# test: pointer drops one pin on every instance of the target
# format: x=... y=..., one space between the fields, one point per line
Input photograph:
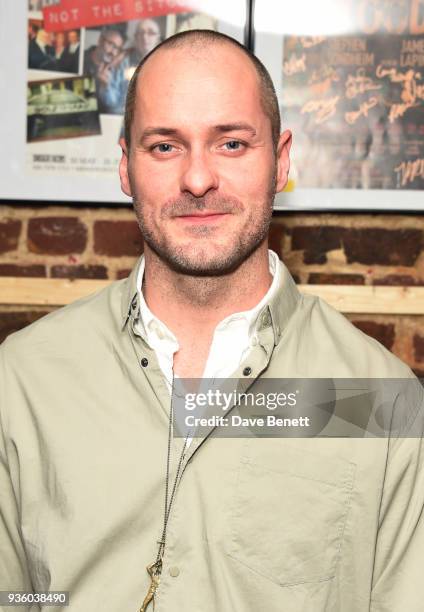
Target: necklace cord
x=168 y=505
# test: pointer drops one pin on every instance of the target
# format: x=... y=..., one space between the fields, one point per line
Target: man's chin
x=202 y=269
x=204 y=263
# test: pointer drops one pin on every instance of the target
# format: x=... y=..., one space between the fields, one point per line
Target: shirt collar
x=273 y=311
x=148 y=322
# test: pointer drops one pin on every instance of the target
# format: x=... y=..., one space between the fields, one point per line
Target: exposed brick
x=384 y=333
x=419 y=347
x=383 y=247
x=81 y=271
x=9 y=235
x=117 y=238
x=275 y=238
x=316 y=242
x=403 y=280
x=123 y=274
x=322 y=278
x=22 y=270
x=13 y=321
x=56 y=235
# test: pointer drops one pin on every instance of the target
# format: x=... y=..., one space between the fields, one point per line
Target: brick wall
x=103 y=242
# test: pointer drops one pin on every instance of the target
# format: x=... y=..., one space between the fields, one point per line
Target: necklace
x=155 y=569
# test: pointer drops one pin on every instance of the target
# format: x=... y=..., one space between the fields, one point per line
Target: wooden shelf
x=346 y=298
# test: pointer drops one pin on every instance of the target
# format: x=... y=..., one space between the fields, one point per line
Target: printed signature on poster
x=398 y=110
x=353 y=116
x=412 y=91
x=320 y=81
x=322 y=74
x=323 y=109
x=311 y=41
x=408 y=171
x=294 y=64
x=359 y=84
x=395 y=76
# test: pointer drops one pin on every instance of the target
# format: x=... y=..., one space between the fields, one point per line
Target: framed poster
x=350 y=81
x=66 y=66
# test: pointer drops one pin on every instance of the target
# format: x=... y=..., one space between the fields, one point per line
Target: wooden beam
x=356 y=299
x=352 y=299
x=46 y=291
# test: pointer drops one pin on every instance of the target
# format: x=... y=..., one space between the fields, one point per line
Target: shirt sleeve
x=398 y=583
x=14 y=574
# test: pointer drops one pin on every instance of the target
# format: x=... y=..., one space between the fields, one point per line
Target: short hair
x=113 y=29
x=268 y=96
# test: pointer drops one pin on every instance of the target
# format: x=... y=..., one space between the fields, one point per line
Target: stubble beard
x=204 y=262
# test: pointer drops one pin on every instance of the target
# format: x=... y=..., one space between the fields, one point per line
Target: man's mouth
x=203 y=216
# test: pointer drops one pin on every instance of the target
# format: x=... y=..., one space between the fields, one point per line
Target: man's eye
x=163 y=147
x=233 y=145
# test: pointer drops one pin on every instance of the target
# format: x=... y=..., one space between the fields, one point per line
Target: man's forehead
x=113 y=35
x=221 y=73
x=147 y=24
x=212 y=53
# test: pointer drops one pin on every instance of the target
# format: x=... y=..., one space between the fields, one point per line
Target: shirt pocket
x=288 y=514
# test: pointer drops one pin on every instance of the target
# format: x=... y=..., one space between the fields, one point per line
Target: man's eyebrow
x=222 y=128
x=158 y=131
x=235 y=127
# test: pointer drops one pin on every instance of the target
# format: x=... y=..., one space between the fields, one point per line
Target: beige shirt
x=300 y=525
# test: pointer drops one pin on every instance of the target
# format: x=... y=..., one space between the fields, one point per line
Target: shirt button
x=144 y=362
x=247 y=371
x=174 y=572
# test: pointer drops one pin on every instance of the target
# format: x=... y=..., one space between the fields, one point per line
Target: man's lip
x=202 y=216
x=203 y=213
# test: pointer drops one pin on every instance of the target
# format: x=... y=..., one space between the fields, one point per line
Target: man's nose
x=199 y=175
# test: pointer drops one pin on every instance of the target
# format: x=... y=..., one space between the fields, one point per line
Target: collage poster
x=356 y=102
x=81 y=56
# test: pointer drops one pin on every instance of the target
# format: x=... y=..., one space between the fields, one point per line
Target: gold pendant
x=154 y=572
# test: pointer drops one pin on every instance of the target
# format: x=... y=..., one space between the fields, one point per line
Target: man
x=41 y=54
x=70 y=59
x=105 y=62
x=147 y=36
x=94 y=488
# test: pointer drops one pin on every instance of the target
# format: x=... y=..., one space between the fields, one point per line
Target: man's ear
x=283 y=159
x=123 y=169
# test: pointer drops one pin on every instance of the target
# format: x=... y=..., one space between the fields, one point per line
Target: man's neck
x=192 y=306
x=180 y=300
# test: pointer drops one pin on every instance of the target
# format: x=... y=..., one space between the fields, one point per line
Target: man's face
x=73 y=37
x=202 y=170
x=45 y=37
x=147 y=36
x=110 y=46
x=60 y=39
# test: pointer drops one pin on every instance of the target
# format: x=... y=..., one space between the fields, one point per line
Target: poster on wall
x=350 y=81
x=71 y=64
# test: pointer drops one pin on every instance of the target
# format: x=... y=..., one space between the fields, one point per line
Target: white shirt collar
x=153 y=329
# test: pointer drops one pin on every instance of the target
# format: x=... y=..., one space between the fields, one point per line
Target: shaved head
x=197 y=42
